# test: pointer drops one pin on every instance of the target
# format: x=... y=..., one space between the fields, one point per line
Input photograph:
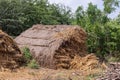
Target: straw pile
x=10 y=54
x=56 y=46
x=88 y=62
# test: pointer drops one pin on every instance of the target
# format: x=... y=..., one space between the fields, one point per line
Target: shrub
x=27 y=54
x=30 y=62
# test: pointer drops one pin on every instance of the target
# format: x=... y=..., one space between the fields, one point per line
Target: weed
x=30 y=62
x=92 y=76
x=27 y=54
x=33 y=64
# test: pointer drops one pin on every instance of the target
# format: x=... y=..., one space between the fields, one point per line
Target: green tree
x=19 y=15
x=110 y=5
x=9 y=16
x=102 y=39
x=80 y=16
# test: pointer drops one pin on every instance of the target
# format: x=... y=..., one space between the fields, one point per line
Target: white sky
x=73 y=4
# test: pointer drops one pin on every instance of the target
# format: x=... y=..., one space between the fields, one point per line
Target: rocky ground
x=112 y=73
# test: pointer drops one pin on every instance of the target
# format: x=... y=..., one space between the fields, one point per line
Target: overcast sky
x=73 y=4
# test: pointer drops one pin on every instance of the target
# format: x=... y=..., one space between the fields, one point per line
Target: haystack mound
x=54 y=46
x=10 y=54
x=88 y=62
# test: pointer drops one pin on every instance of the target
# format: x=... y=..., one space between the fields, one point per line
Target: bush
x=27 y=54
x=30 y=62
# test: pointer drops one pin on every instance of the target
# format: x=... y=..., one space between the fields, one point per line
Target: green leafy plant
x=30 y=62
x=27 y=54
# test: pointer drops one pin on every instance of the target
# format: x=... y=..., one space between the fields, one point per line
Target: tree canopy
x=103 y=32
x=19 y=15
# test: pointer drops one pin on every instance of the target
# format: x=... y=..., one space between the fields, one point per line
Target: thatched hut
x=54 y=46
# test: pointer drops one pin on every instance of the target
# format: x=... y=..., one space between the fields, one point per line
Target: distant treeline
x=18 y=15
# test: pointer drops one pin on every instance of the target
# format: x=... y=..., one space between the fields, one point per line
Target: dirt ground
x=112 y=73
x=45 y=74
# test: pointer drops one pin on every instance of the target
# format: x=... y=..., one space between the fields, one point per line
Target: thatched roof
x=47 y=41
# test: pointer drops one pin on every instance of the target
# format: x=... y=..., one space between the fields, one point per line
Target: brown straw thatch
x=54 y=46
x=10 y=54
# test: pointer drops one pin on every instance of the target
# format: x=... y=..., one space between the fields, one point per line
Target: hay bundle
x=54 y=46
x=73 y=43
x=10 y=54
x=88 y=62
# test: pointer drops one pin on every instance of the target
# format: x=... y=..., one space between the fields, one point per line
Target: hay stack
x=10 y=54
x=54 y=46
x=88 y=62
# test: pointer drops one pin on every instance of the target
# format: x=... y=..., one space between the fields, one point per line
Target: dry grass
x=49 y=74
x=88 y=62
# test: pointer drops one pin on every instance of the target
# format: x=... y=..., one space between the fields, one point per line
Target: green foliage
x=113 y=59
x=10 y=16
x=103 y=33
x=80 y=16
x=33 y=64
x=19 y=15
x=30 y=62
x=110 y=5
x=92 y=76
x=27 y=54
